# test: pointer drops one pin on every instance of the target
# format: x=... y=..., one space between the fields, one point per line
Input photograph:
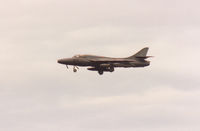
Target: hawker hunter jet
x=107 y=64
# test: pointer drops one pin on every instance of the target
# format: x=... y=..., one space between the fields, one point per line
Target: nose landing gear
x=75 y=68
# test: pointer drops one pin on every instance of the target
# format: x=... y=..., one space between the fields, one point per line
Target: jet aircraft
x=107 y=64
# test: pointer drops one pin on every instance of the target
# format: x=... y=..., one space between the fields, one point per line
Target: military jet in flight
x=107 y=64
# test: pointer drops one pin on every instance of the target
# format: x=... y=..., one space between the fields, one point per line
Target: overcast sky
x=38 y=94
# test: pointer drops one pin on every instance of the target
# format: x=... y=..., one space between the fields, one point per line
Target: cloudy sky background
x=36 y=93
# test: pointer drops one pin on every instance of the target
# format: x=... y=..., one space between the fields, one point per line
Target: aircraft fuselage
x=102 y=64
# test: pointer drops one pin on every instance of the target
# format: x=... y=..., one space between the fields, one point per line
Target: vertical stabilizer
x=140 y=54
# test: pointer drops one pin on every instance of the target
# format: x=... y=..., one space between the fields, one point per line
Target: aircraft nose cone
x=60 y=61
x=66 y=61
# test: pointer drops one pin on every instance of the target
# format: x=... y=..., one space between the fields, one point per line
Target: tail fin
x=141 y=54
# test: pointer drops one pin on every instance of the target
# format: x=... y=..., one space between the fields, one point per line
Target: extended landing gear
x=100 y=72
x=75 y=68
x=111 y=69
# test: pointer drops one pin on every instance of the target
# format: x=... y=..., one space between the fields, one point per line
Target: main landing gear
x=100 y=72
x=111 y=69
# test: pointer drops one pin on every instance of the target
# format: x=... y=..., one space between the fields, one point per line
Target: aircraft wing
x=106 y=60
x=143 y=57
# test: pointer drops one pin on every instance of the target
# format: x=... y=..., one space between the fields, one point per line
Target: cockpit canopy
x=80 y=56
x=76 y=56
x=87 y=56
